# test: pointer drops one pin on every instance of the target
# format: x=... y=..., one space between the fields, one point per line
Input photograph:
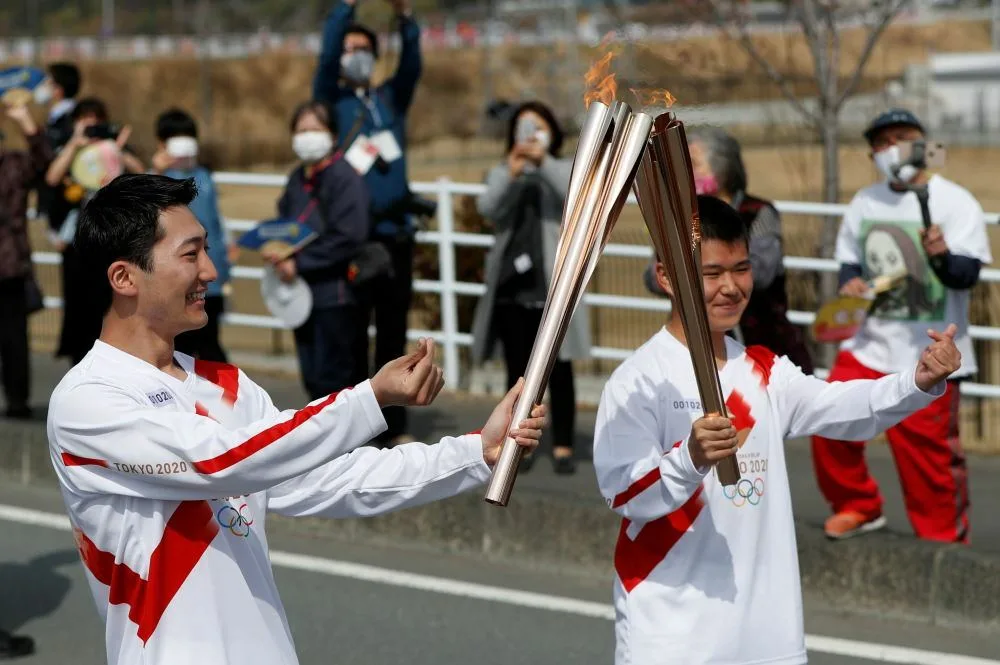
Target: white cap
x=291 y=302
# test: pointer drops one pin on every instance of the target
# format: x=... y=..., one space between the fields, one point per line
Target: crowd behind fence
x=449 y=289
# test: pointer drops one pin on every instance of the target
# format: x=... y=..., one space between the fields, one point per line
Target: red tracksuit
x=929 y=459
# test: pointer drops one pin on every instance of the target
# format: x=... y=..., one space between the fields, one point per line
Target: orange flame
x=654 y=98
x=600 y=81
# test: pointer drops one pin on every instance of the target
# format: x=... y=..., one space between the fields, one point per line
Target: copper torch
x=665 y=189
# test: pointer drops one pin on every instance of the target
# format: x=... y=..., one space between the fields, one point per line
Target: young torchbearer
x=692 y=552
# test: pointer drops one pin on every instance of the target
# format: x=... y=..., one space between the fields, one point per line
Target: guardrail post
x=446 y=268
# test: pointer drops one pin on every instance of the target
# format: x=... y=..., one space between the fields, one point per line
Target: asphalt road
x=408 y=605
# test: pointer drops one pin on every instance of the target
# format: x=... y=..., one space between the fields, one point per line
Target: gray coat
x=496 y=205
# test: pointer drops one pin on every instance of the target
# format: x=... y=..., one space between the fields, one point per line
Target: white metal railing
x=447 y=239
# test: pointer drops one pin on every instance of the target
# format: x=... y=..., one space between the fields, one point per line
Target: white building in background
x=959 y=93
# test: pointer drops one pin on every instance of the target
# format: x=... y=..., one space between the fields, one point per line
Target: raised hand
x=713 y=438
x=411 y=380
x=20 y=114
x=939 y=360
x=527 y=434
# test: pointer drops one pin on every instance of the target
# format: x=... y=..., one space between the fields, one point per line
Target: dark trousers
x=516 y=328
x=203 y=343
x=15 y=368
x=389 y=300
x=326 y=348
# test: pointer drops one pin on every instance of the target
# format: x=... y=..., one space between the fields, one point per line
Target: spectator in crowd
x=717 y=162
x=325 y=193
x=59 y=90
x=883 y=229
x=372 y=121
x=15 y=646
x=524 y=199
x=177 y=157
x=19 y=295
x=81 y=323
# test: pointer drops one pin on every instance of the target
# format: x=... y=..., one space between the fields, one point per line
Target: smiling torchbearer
x=707 y=573
x=169 y=465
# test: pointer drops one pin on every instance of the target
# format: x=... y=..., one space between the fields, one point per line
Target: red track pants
x=928 y=457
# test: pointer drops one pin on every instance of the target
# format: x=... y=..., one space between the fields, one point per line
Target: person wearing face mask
x=58 y=91
x=371 y=120
x=326 y=194
x=524 y=199
x=717 y=163
x=882 y=231
x=177 y=157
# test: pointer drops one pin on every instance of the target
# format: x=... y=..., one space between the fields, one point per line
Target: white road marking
x=884 y=653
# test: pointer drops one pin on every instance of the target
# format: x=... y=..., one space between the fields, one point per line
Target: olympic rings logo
x=235 y=520
x=745 y=491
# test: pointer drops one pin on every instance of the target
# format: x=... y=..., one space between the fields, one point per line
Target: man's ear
x=121 y=276
x=662 y=280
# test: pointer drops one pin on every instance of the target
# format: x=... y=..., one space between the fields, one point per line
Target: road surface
x=357 y=603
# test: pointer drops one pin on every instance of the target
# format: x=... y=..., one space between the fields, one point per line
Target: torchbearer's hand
x=527 y=434
x=411 y=380
x=939 y=360
x=713 y=438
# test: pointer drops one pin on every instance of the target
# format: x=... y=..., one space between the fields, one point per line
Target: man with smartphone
x=935 y=229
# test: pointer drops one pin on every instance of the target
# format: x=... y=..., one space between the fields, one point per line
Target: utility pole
x=995 y=24
x=204 y=61
x=107 y=23
x=34 y=21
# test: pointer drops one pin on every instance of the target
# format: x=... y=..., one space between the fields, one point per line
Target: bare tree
x=821 y=22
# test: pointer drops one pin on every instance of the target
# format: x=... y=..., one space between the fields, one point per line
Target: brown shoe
x=850 y=523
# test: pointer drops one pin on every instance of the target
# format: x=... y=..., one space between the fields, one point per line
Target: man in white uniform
x=169 y=466
x=883 y=231
x=707 y=573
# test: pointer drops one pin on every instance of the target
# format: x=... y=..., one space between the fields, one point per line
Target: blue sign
x=27 y=78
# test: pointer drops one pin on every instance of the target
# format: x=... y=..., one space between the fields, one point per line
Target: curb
x=881 y=573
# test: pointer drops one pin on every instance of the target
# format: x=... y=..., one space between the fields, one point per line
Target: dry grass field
x=251 y=99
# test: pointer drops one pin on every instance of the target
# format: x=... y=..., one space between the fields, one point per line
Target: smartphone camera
x=102 y=131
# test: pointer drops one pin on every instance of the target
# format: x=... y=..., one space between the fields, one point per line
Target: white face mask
x=181 y=147
x=887 y=162
x=528 y=130
x=357 y=66
x=312 y=146
x=43 y=94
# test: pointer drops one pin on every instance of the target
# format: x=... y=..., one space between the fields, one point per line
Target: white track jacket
x=706 y=573
x=168 y=484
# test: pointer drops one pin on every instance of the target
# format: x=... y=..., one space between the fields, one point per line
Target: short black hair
x=90 y=106
x=67 y=76
x=175 y=122
x=361 y=29
x=555 y=146
x=321 y=110
x=719 y=221
x=122 y=223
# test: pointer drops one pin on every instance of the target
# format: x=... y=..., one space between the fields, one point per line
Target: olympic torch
x=612 y=141
x=665 y=189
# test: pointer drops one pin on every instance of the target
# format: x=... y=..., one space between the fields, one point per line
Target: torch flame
x=654 y=98
x=600 y=81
